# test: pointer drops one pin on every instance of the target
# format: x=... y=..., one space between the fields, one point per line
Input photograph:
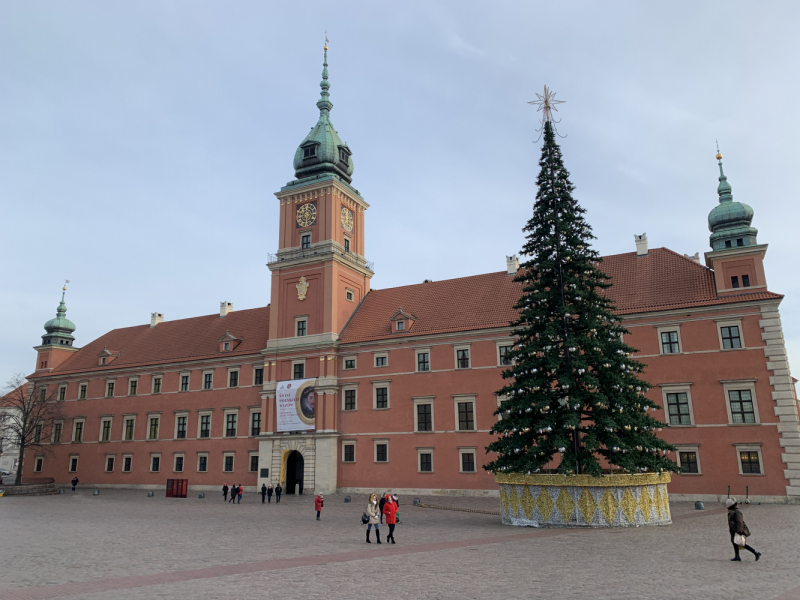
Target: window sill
x=384 y=408
x=468 y=472
x=731 y=349
x=753 y=474
x=690 y=474
x=349 y=410
x=680 y=426
x=670 y=353
x=428 y=371
x=743 y=424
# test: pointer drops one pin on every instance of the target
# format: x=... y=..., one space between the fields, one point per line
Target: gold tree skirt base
x=583 y=500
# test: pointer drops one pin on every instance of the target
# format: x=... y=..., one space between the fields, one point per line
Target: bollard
x=149 y=494
x=60 y=490
x=201 y=495
x=96 y=493
x=699 y=505
x=417 y=502
x=347 y=499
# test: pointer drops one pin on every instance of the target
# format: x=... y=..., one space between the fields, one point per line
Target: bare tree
x=32 y=412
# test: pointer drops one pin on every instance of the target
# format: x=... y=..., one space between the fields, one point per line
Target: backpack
x=365 y=519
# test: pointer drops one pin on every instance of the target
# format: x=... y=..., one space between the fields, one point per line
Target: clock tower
x=319 y=277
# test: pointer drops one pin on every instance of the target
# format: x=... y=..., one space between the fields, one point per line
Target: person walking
x=239 y=493
x=278 y=492
x=737 y=527
x=269 y=494
x=397 y=502
x=299 y=486
x=263 y=492
x=224 y=492
x=74 y=483
x=318 y=503
x=382 y=504
x=390 y=510
x=233 y=494
x=373 y=512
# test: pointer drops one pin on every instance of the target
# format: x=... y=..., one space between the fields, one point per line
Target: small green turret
x=729 y=222
x=59 y=330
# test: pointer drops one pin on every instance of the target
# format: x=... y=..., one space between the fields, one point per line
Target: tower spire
x=324 y=104
x=724 y=189
x=58 y=331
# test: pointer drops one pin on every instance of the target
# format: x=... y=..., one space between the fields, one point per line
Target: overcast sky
x=141 y=143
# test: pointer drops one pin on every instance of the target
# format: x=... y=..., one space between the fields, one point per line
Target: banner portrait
x=296 y=405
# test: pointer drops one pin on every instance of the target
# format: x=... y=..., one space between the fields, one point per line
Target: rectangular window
x=129 y=429
x=734 y=282
x=299 y=371
x=126 y=464
x=423 y=361
x=466 y=416
x=62 y=393
x=424 y=417
x=255 y=424
x=57 y=427
x=462 y=357
x=730 y=337
x=669 y=342
x=155 y=463
x=208 y=380
x=37 y=434
x=426 y=462
x=73 y=464
x=349 y=295
x=346 y=245
x=42 y=395
x=301 y=328
x=109 y=464
x=133 y=386
x=742 y=410
x=745 y=280
x=37 y=467
x=105 y=434
x=202 y=463
x=350 y=363
x=205 y=426
x=184 y=383
x=467 y=462
x=156 y=385
x=349 y=399
x=258 y=376
x=230 y=425
x=179 y=464
x=152 y=433
x=228 y=464
x=349 y=453
x=309 y=151
x=78 y=434
x=305 y=241
x=110 y=389
x=180 y=432
x=254 y=463
x=82 y=392
x=750 y=462
x=226 y=346
x=381 y=397
x=678 y=409
x=381 y=361
x=381 y=452
x=505 y=360
x=233 y=379
x=401 y=325
x=688 y=462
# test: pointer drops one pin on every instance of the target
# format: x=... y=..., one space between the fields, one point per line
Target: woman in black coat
x=736 y=525
x=224 y=492
x=278 y=492
x=269 y=494
x=263 y=492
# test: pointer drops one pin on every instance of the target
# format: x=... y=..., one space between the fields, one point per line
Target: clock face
x=347 y=219
x=307 y=214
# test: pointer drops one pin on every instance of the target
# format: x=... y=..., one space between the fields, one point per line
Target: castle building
x=356 y=390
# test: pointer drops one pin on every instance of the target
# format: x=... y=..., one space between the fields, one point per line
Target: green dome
x=730 y=214
x=59 y=330
x=322 y=151
x=729 y=221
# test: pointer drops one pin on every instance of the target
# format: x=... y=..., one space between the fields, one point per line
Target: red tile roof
x=663 y=280
x=184 y=339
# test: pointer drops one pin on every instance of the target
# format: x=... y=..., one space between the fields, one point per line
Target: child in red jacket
x=390 y=510
x=318 y=505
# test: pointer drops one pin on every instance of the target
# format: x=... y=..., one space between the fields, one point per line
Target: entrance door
x=294 y=469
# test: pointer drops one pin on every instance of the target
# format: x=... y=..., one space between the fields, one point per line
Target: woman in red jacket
x=318 y=505
x=390 y=510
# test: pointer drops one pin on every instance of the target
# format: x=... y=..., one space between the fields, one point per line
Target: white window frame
x=225 y=413
x=299 y=362
x=456 y=348
x=400 y=325
x=250 y=456
x=350 y=388
x=85 y=386
x=688 y=448
x=152 y=456
x=750 y=448
x=236 y=370
x=38 y=463
x=263 y=368
x=467 y=450
x=666 y=329
x=158 y=427
x=125 y=419
x=352 y=357
x=200 y=415
x=175 y=457
x=349 y=295
x=203 y=384
x=183 y=413
x=417 y=352
x=233 y=462
x=500 y=399
x=375 y=443
x=159 y=376
x=376 y=356
x=420 y=452
x=62 y=388
x=677 y=388
x=53 y=432
x=113 y=381
x=105 y=463
x=197 y=465
x=75 y=427
x=471 y=398
x=132 y=380
x=730 y=323
x=503 y=344
x=100 y=433
x=77 y=457
x=124 y=456
x=381 y=384
x=349 y=443
x=736 y=385
x=297 y=321
x=423 y=400
x=180 y=382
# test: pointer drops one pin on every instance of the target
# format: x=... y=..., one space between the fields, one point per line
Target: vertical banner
x=296 y=404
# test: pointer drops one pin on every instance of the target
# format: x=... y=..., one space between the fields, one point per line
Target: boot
x=378 y=536
x=368 y=532
x=393 y=538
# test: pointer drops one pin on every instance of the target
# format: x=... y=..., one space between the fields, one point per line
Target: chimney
x=695 y=258
x=156 y=318
x=641 y=244
x=225 y=307
x=512 y=264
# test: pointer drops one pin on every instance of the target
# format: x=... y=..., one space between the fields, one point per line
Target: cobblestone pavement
x=123 y=545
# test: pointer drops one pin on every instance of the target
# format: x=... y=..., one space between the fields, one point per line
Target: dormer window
x=739 y=242
x=226 y=346
x=343 y=156
x=309 y=151
x=103 y=360
x=727 y=243
x=401 y=325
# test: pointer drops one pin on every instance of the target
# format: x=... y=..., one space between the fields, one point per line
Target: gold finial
x=719 y=154
x=66 y=281
x=326 y=40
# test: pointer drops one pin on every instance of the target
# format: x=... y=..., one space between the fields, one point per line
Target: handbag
x=746 y=530
x=739 y=540
x=364 y=519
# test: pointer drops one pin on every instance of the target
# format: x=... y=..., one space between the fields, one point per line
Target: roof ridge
x=439 y=282
x=684 y=257
x=168 y=322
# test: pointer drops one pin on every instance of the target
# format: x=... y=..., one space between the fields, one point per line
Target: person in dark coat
x=278 y=492
x=224 y=492
x=234 y=489
x=269 y=494
x=736 y=525
x=381 y=505
x=263 y=492
x=299 y=486
x=74 y=483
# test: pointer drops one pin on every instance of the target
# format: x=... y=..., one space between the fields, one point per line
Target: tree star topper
x=546 y=103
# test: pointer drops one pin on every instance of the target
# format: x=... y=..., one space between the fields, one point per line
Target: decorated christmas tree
x=574 y=400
